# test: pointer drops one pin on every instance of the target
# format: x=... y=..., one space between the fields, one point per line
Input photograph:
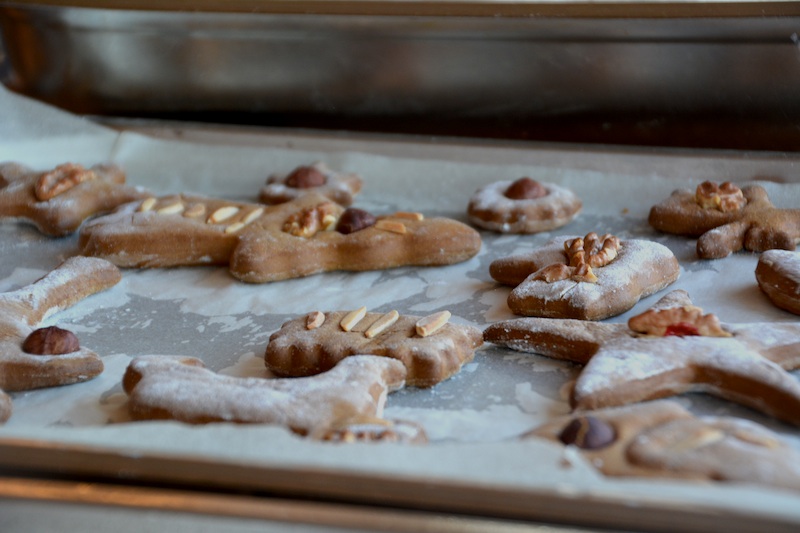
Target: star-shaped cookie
x=181 y=388
x=33 y=357
x=662 y=439
x=59 y=200
x=727 y=219
x=587 y=278
x=670 y=349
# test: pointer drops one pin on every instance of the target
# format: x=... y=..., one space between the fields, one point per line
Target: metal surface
x=464 y=60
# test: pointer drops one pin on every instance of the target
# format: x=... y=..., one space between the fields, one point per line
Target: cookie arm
x=72 y=281
x=567 y=339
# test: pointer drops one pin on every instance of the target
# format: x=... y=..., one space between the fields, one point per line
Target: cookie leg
x=722 y=241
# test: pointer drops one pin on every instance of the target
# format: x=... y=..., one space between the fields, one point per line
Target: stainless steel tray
x=408 y=59
x=76 y=445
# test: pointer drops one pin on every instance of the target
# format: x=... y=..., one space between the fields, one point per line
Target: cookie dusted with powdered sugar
x=778 y=276
x=32 y=356
x=523 y=206
x=662 y=439
x=182 y=389
x=59 y=200
x=317 y=178
x=431 y=348
x=726 y=219
x=587 y=278
x=669 y=349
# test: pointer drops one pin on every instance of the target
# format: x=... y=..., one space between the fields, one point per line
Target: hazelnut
x=588 y=433
x=51 y=341
x=354 y=219
x=305 y=178
x=525 y=189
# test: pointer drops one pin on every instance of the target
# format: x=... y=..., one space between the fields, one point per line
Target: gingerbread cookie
x=261 y=243
x=523 y=206
x=726 y=219
x=181 y=388
x=33 y=357
x=669 y=349
x=173 y=230
x=589 y=278
x=431 y=348
x=313 y=235
x=59 y=200
x=662 y=439
x=778 y=275
x=316 y=178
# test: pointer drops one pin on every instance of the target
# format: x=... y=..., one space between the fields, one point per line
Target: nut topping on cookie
x=354 y=219
x=222 y=214
x=304 y=177
x=315 y=319
x=588 y=433
x=50 y=341
x=688 y=320
x=394 y=226
x=171 y=209
x=724 y=197
x=60 y=179
x=147 y=204
x=582 y=255
x=311 y=220
x=427 y=326
x=525 y=189
x=352 y=318
x=383 y=323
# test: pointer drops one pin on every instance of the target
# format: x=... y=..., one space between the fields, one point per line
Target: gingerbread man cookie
x=261 y=243
x=778 y=276
x=726 y=219
x=669 y=349
x=316 y=178
x=586 y=278
x=662 y=439
x=523 y=206
x=181 y=388
x=59 y=200
x=431 y=348
x=34 y=357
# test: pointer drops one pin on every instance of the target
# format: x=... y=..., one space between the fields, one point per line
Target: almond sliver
x=352 y=318
x=172 y=209
x=222 y=214
x=380 y=325
x=391 y=225
x=147 y=204
x=432 y=323
x=315 y=319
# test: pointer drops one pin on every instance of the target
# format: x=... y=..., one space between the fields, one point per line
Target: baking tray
x=398 y=59
x=474 y=464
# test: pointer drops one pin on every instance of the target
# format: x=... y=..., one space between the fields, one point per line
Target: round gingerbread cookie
x=778 y=276
x=317 y=178
x=523 y=206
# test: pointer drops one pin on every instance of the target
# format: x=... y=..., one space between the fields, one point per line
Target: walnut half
x=725 y=197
